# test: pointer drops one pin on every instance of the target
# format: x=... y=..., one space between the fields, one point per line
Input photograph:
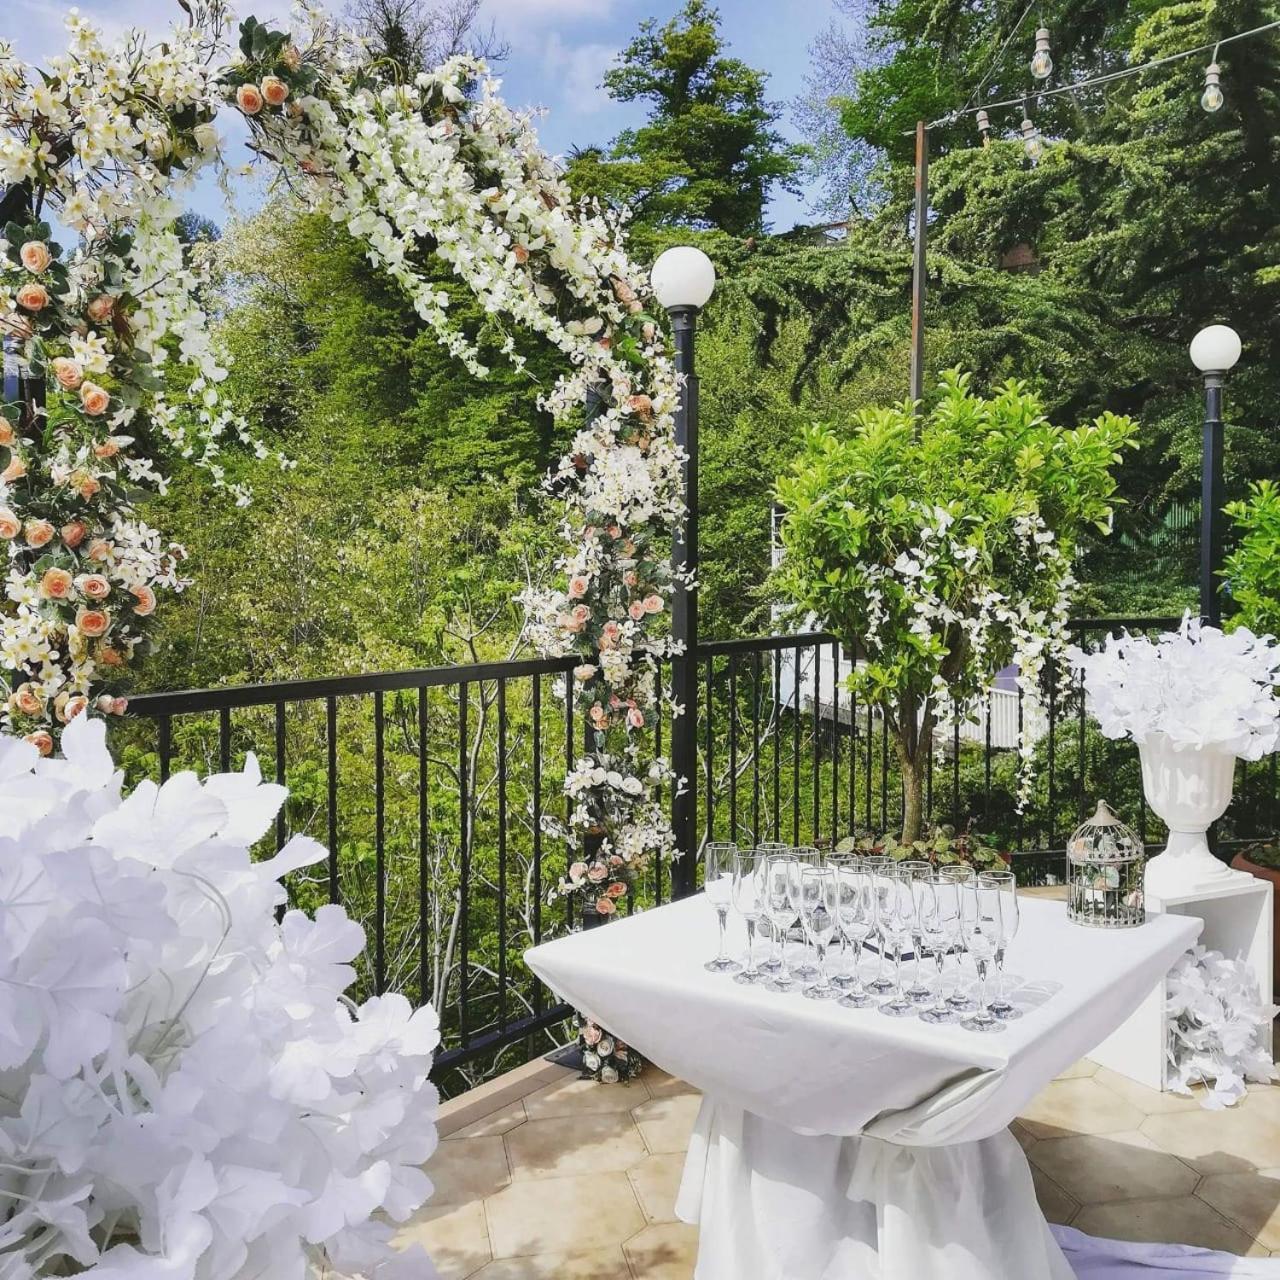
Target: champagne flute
x=807 y=856
x=981 y=929
x=717 y=883
x=818 y=915
x=919 y=991
x=856 y=916
x=748 y=874
x=1006 y=884
x=780 y=874
x=772 y=849
x=938 y=915
x=962 y=874
x=880 y=984
x=895 y=918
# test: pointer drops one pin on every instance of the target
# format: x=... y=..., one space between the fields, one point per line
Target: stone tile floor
x=540 y=1176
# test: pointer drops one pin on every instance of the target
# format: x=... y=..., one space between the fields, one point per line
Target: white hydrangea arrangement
x=185 y=1093
x=1219 y=1028
x=1201 y=687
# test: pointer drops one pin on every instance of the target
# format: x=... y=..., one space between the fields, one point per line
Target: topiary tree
x=937 y=545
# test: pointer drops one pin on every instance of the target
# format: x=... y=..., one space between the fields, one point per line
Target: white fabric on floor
x=839 y=1144
x=1094 y=1259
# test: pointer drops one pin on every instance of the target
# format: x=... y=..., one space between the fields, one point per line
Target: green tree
x=710 y=153
x=1252 y=571
x=939 y=548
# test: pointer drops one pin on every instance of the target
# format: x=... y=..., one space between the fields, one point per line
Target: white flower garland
x=187 y=1092
x=1219 y=1027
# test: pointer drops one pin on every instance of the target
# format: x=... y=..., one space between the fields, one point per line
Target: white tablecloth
x=838 y=1144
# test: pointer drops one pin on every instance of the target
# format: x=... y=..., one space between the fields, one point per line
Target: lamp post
x=682 y=280
x=1214 y=351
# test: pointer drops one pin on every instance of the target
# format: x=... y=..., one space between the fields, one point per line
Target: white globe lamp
x=683 y=277
x=1216 y=349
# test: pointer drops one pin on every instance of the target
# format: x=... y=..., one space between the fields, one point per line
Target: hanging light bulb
x=984 y=127
x=1041 y=61
x=1032 y=142
x=1211 y=98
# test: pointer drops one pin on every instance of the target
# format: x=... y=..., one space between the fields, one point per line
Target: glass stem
x=940 y=1002
x=897 y=972
x=823 y=981
x=1000 y=976
x=982 y=966
x=723 y=914
x=751 y=943
x=857 y=966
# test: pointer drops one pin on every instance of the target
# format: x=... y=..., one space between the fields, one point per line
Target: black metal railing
x=432 y=790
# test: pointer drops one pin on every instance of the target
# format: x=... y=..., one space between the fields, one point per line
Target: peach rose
x=55 y=584
x=146 y=601
x=93 y=622
x=109 y=657
x=609 y=634
x=520 y=253
x=641 y=406
x=94 y=399
x=629 y=578
x=94 y=586
x=14 y=471
x=635 y=610
x=578 y=585
x=99 y=549
x=68 y=373
x=42 y=741
x=591 y=1034
x=33 y=297
x=10 y=525
x=614 y=531
x=576 y=619
x=616 y=890
x=38 y=533
x=635 y=718
x=653 y=603
x=597 y=872
x=110 y=706
x=35 y=256
x=274 y=90
x=120 y=707
x=605 y=906
x=7 y=434
x=599 y=717
x=27 y=700
x=105 y=449
x=584 y=673
x=100 y=308
x=75 y=705
x=577 y=871
x=249 y=99
x=73 y=533
x=87 y=486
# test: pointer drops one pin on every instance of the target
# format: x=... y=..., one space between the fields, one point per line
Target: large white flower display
x=185 y=1094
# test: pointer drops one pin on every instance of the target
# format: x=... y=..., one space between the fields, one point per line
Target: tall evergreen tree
x=710 y=153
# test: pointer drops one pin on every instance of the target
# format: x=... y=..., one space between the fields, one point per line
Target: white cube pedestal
x=1237 y=922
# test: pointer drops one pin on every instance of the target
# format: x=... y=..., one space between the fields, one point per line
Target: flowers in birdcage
x=1219 y=1027
x=187 y=1092
x=1201 y=687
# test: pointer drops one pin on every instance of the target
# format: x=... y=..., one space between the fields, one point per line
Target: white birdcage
x=1104 y=873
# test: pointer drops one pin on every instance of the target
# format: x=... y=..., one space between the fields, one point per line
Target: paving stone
x=1078 y=1105
x=574 y=1097
x=1250 y=1200
x=455 y=1237
x=667 y=1251
x=574 y=1145
x=1055 y=1203
x=1114 y=1166
x=1182 y=1220
x=468 y=1169
x=1231 y=1141
x=656 y=1180
x=562 y=1215
x=665 y=1123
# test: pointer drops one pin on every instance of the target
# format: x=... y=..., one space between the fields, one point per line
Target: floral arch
x=104 y=140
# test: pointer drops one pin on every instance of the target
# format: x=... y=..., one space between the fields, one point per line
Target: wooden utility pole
x=918 y=276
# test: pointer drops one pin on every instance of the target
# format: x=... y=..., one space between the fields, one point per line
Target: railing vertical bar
x=424 y=841
x=536 y=709
x=224 y=739
x=755 y=748
x=884 y=773
x=709 y=798
x=817 y=741
x=379 y=842
x=281 y=817
x=955 y=773
x=1051 y=818
x=331 y=796
x=164 y=744
x=853 y=760
x=795 y=756
x=835 y=744
x=870 y=771
x=569 y=754
x=733 y=746
x=777 y=744
x=464 y=851
x=1084 y=761
x=659 y=715
x=986 y=766
x=502 y=855
x=1019 y=809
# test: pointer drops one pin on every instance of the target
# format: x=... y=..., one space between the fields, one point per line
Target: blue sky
x=559 y=52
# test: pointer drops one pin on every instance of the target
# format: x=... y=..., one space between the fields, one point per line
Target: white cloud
x=516 y=11
x=577 y=72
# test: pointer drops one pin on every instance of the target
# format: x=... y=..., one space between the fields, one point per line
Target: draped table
x=839 y=1144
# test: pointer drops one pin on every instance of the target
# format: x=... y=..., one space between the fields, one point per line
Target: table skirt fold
x=774 y=1204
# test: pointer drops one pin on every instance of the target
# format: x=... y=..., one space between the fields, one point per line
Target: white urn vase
x=1188 y=788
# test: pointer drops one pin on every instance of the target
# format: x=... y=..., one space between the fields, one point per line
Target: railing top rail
x=764 y=644
x=1170 y=623
x=261 y=695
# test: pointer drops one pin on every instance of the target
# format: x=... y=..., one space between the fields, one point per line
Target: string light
x=1211 y=98
x=1032 y=142
x=1042 y=61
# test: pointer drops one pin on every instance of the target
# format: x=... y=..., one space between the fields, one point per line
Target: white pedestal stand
x=1238 y=922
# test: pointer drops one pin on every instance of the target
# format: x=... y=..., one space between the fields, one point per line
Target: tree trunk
x=913 y=743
